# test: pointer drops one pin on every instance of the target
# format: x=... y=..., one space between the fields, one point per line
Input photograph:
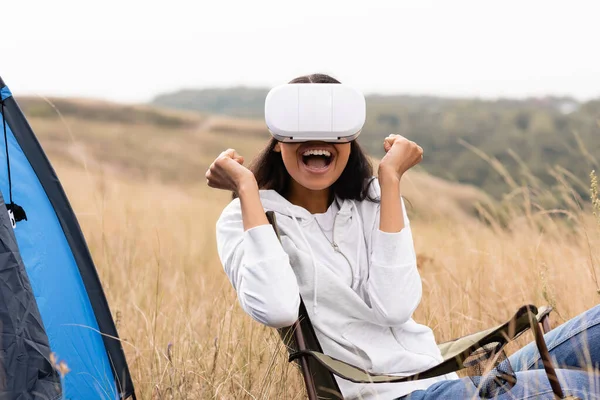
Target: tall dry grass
x=185 y=336
x=149 y=223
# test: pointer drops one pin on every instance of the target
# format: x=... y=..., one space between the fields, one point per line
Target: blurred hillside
x=528 y=138
x=141 y=143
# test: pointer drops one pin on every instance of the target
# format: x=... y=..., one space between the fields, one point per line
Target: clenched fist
x=227 y=172
x=401 y=155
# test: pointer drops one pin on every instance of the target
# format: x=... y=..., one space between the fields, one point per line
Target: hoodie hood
x=271 y=200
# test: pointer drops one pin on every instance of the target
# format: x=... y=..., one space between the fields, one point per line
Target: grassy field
x=139 y=192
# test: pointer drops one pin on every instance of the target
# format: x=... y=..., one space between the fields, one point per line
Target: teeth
x=317 y=152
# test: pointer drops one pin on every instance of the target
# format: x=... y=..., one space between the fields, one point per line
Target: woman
x=347 y=248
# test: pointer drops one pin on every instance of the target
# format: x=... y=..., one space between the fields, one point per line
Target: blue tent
x=52 y=306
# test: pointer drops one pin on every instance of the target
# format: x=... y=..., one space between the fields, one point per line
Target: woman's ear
x=277 y=148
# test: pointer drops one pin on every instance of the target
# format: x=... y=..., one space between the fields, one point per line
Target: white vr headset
x=300 y=112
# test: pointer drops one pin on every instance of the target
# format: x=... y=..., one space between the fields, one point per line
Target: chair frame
x=539 y=329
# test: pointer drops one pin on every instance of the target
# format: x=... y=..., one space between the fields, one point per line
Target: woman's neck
x=314 y=201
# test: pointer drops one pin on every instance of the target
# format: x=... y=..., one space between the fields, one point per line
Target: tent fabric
x=65 y=283
x=26 y=371
x=5 y=93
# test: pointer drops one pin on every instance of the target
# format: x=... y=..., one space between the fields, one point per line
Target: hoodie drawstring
x=361 y=238
x=312 y=256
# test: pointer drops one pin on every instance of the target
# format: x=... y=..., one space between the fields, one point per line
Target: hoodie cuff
x=261 y=243
x=393 y=249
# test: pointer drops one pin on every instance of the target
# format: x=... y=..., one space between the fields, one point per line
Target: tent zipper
x=15 y=212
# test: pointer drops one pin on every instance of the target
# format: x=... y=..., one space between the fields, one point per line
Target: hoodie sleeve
x=259 y=269
x=394 y=284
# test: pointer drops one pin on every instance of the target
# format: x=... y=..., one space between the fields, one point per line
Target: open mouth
x=317 y=160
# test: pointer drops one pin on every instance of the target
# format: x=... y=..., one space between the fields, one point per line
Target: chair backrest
x=301 y=336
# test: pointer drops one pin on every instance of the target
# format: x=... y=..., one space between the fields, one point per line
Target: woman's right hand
x=227 y=172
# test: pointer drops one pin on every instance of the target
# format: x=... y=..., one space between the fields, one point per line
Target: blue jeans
x=574 y=346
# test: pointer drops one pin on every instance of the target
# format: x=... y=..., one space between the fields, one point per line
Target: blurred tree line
x=465 y=140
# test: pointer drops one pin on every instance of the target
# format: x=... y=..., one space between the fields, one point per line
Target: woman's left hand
x=401 y=155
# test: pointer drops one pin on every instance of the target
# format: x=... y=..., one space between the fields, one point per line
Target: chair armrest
x=455 y=352
x=449 y=347
x=543 y=312
x=543 y=317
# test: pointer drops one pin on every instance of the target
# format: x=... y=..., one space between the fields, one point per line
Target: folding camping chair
x=479 y=352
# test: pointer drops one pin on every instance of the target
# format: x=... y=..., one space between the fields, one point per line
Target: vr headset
x=300 y=112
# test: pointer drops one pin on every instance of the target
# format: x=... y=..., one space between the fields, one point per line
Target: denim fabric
x=573 y=345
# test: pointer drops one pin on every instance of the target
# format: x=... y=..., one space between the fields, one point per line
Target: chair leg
x=309 y=382
x=547 y=361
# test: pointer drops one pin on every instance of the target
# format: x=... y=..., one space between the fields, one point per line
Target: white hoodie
x=360 y=298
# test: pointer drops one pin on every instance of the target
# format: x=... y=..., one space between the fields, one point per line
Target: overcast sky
x=131 y=50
